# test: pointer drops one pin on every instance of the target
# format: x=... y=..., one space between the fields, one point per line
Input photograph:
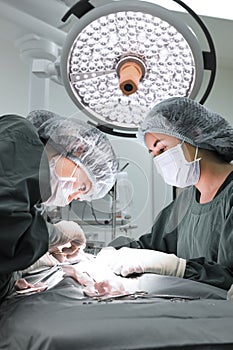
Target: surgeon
x=50 y=160
x=192 y=238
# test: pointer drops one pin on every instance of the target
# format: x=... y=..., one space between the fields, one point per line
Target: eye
x=162 y=149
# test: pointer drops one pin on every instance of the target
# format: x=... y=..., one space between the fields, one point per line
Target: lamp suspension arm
x=79 y=9
x=110 y=131
x=208 y=57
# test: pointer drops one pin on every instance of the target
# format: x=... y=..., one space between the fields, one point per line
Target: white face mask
x=61 y=187
x=175 y=169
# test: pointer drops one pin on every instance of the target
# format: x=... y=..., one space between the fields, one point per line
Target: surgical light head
x=190 y=121
x=82 y=143
x=121 y=58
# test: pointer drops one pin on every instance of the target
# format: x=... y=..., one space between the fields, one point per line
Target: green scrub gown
x=200 y=233
x=23 y=231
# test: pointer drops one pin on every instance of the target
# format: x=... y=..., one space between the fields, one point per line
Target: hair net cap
x=190 y=121
x=84 y=144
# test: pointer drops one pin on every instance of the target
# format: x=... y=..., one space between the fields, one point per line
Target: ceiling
x=22 y=17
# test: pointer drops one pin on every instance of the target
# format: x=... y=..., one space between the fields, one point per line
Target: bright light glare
x=169 y=61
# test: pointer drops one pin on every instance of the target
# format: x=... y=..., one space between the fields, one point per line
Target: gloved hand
x=126 y=261
x=46 y=260
x=66 y=238
x=97 y=279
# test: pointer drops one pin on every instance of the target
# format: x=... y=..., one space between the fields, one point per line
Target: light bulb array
x=167 y=60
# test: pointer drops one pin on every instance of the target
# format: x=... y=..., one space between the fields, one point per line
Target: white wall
x=14 y=75
x=221 y=97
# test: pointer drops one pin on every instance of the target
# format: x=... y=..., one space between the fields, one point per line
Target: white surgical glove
x=65 y=231
x=45 y=261
x=66 y=238
x=126 y=261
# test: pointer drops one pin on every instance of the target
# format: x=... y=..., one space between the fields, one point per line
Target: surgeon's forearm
x=209 y=272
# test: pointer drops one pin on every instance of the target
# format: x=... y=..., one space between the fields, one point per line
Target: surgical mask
x=61 y=187
x=175 y=169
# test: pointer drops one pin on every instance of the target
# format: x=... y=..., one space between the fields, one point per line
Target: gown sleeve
x=219 y=272
x=23 y=232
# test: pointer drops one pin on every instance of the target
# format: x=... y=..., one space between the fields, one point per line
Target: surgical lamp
x=122 y=58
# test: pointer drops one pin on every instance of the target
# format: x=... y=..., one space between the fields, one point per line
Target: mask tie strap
x=75 y=168
x=195 y=157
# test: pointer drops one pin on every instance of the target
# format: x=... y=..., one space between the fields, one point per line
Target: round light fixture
x=122 y=58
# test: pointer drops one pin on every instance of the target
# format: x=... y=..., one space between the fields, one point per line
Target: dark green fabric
x=200 y=233
x=23 y=231
x=61 y=318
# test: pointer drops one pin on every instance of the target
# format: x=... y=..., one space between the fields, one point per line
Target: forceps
x=134 y=295
x=145 y=295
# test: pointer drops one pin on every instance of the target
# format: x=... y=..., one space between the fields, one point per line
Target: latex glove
x=126 y=261
x=66 y=239
x=46 y=260
x=96 y=279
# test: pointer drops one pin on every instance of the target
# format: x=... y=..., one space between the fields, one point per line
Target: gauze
x=175 y=169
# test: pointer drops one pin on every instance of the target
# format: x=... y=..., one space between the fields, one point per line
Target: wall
x=14 y=76
x=220 y=99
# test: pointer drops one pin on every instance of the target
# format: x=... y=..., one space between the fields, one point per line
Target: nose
x=153 y=153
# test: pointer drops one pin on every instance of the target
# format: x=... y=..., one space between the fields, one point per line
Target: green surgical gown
x=200 y=233
x=23 y=231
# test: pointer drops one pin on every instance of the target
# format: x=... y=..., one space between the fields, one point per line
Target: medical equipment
x=144 y=295
x=123 y=57
x=50 y=276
